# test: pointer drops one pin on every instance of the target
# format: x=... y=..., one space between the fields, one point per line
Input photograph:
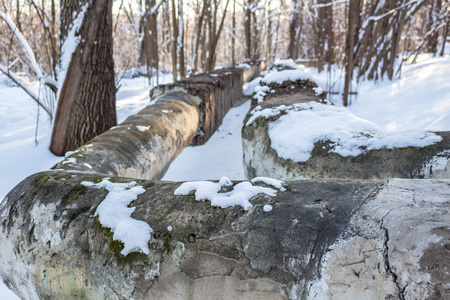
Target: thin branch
x=23 y=41
x=117 y=17
x=154 y=9
x=27 y=89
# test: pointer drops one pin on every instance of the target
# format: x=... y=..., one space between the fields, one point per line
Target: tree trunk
x=18 y=21
x=233 y=42
x=180 y=40
x=149 y=47
x=432 y=18
x=444 y=36
x=248 y=29
x=53 y=33
x=329 y=36
x=353 y=13
x=292 y=29
x=174 y=41
x=325 y=37
x=87 y=99
x=197 y=36
x=214 y=36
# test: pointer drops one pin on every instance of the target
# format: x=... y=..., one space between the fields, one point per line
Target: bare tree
x=214 y=34
x=149 y=55
x=198 y=34
x=353 y=14
x=295 y=23
x=180 y=40
x=248 y=28
x=46 y=80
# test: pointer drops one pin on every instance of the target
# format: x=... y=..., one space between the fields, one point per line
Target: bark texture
x=87 y=101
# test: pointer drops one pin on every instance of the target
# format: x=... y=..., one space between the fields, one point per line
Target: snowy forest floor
x=420 y=99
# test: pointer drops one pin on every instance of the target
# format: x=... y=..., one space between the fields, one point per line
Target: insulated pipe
x=144 y=145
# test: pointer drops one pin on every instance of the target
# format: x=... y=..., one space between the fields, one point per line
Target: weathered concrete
x=260 y=159
x=144 y=145
x=398 y=253
x=339 y=239
x=216 y=92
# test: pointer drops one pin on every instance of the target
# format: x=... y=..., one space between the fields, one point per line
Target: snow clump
x=318 y=90
x=113 y=212
x=249 y=87
x=285 y=63
x=348 y=134
x=240 y=195
x=267 y=208
x=142 y=128
x=288 y=75
x=270 y=181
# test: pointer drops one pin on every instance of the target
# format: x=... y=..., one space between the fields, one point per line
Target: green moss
x=77 y=191
x=115 y=247
x=97 y=180
x=145 y=183
x=36 y=185
x=117 y=179
x=167 y=245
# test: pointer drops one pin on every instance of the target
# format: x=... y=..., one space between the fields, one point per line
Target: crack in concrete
x=387 y=263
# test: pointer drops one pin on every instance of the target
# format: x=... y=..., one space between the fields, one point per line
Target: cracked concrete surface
x=324 y=239
x=401 y=249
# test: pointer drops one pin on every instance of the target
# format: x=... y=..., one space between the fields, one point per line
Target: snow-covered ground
x=220 y=156
x=418 y=100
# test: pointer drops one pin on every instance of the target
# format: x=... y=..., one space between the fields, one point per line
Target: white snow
x=249 y=87
x=267 y=208
x=420 y=99
x=71 y=160
x=294 y=134
x=142 y=128
x=261 y=92
x=221 y=155
x=243 y=66
x=285 y=63
x=69 y=153
x=113 y=212
x=6 y=293
x=292 y=75
x=240 y=195
x=270 y=181
x=437 y=163
x=258 y=112
x=318 y=90
x=19 y=154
